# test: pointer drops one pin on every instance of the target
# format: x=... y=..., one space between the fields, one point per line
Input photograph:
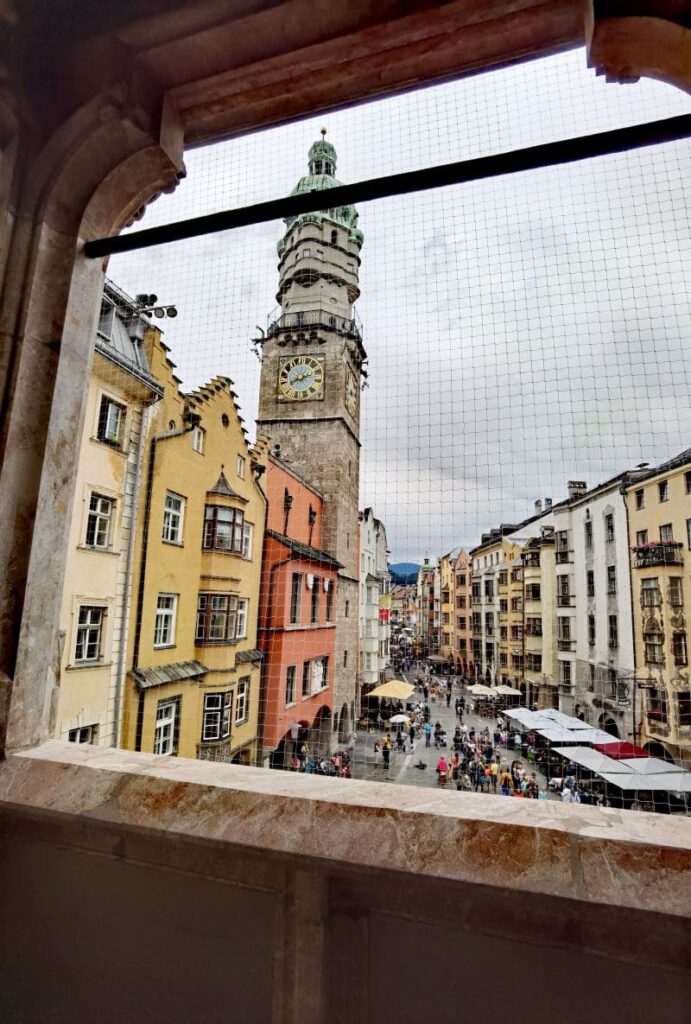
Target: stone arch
x=93 y=178
x=628 y=48
x=657 y=749
x=608 y=724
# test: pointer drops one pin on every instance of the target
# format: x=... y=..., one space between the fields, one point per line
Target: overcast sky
x=521 y=331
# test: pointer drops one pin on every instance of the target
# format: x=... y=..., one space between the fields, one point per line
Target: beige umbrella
x=396 y=688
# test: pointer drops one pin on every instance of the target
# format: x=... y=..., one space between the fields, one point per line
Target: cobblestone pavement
x=402 y=770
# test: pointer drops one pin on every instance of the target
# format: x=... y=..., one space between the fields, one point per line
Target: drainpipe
x=194 y=421
x=634 y=682
x=120 y=672
x=268 y=629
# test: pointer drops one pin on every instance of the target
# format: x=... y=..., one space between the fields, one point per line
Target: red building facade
x=297 y=619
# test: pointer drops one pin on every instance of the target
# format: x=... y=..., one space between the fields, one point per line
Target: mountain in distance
x=403 y=572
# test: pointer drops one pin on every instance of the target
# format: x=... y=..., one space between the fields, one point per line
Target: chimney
x=576 y=488
x=538 y=505
x=548 y=503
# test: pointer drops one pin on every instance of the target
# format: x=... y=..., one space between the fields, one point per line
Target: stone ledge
x=599 y=856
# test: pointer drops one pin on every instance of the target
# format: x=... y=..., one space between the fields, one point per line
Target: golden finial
x=323 y=132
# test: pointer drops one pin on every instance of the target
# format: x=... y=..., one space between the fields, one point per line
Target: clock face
x=301 y=378
x=351 y=393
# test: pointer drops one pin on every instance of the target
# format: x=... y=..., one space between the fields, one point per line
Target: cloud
x=521 y=331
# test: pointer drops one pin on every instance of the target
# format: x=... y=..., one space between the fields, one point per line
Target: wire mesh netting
x=462 y=474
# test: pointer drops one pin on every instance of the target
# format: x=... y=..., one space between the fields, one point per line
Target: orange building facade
x=297 y=627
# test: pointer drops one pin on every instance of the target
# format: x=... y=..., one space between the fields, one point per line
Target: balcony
x=565 y=600
x=667 y=552
x=565 y=645
x=560 y=557
x=313 y=318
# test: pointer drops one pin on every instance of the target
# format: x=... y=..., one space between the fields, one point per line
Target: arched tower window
x=334 y=237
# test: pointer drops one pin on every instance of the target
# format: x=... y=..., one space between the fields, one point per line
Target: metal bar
x=547 y=154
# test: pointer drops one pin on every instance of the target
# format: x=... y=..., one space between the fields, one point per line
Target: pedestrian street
x=369 y=764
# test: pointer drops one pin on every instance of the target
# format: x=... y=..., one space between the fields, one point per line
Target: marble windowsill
x=597 y=855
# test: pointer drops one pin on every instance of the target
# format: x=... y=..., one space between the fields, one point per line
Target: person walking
x=442 y=770
x=386 y=751
x=506 y=781
x=448 y=696
x=428 y=730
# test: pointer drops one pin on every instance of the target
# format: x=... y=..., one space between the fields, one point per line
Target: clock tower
x=309 y=399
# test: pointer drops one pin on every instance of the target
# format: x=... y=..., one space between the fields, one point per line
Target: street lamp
x=148 y=304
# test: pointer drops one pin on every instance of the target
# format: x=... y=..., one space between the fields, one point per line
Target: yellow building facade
x=97 y=590
x=659 y=516
x=446 y=609
x=194 y=681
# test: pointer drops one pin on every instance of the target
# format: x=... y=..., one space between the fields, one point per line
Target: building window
x=640 y=498
x=306 y=253
x=314 y=602
x=460 y=601
x=461 y=622
x=653 y=648
x=650 y=592
x=167 y=726
x=98 y=523
x=613 y=631
x=240 y=467
x=345 y=659
x=532 y=591
x=306 y=678
x=291 y=672
x=609 y=527
x=533 y=662
x=564 y=627
x=676 y=591
x=346 y=610
x=223 y=529
x=320 y=667
x=111 y=422
x=533 y=626
x=657 y=705
x=591 y=681
x=460 y=580
x=173 y=516
x=164 y=629
x=591 y=629
x=663 y=490
x=105 y=320
x=90 y=626
x=247 y=537
x=666 y=532
x=218 y=618
x=329 y=600
x=679 y=652
x=295 y=597
x=590 y=583
x=218 y=708
x=611 y=579
x=198 y=440
x=242 y=700
x=688 y=534
x=241 y=630
x=684 y=701
x=641 y=538
x=85 y=734
x=565 y=673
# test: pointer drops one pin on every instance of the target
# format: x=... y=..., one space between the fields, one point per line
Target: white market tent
x=670 y=782
x=651 y=766
x=503 y=689
x=593 y=760
x=567 y=721
x=558 y=735
x=530 y=719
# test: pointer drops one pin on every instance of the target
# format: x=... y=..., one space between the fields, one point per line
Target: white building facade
x=375 y=584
